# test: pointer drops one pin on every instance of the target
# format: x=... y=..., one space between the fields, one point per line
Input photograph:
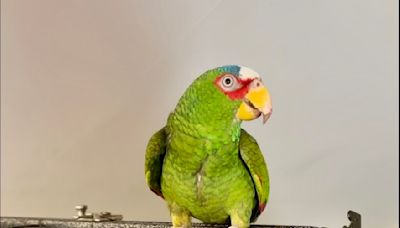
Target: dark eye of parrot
x=228 y=81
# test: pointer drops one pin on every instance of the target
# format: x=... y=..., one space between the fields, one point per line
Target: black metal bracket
x=355 y=220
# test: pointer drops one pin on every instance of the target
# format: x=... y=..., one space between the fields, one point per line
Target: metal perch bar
x=15 y=222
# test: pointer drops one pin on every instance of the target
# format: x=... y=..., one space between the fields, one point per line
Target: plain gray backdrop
x=84 y=84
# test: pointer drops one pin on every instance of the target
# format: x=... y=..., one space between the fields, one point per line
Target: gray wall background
x=84 y=84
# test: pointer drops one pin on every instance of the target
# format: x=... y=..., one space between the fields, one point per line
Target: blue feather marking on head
x=233 y=69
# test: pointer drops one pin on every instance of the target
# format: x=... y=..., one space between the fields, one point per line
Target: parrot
x=201 y=162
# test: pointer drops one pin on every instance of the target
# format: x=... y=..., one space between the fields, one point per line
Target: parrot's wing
x=255 y=163
x=155 y=153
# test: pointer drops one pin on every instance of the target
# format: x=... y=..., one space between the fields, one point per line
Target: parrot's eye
x=228 y=81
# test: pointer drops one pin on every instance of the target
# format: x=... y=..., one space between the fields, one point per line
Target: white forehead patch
x=247 y=73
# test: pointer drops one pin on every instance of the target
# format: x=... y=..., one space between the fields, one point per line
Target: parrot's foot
x=239 y=226
x=181 y=218
x=240 y=218
x=236 y=226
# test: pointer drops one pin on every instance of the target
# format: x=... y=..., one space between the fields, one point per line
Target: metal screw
x=105 y=213
x=81 y=210
x=97 y=217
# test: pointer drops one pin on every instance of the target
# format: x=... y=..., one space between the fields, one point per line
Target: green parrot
x=202 y=163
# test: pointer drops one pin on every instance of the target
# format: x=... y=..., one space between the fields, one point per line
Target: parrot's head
x=224 y=95
x=239 y=83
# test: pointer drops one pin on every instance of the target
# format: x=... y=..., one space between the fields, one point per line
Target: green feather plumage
x=203 y=163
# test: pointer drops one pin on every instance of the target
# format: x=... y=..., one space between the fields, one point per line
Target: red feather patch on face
x=240 y=90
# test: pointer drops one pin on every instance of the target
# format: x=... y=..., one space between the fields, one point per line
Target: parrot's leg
x=180 y=216
x=240 y=219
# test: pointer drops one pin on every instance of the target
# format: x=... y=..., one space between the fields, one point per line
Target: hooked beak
x=257 y=102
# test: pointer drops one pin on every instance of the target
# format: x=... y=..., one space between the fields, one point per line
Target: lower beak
x=257 y=102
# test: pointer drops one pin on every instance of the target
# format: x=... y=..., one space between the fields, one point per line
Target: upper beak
x=256 y=102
